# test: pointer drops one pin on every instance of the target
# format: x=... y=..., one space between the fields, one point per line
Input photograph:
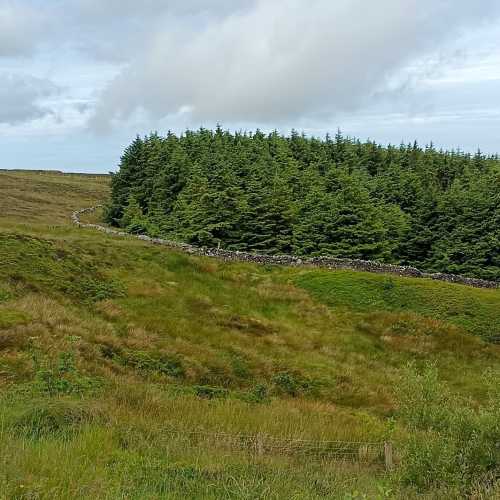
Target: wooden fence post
x=260 y=445
x=389 y=464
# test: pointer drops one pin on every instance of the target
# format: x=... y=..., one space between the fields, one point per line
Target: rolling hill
x=124 y=366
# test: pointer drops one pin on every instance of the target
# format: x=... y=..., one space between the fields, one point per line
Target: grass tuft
x=113 y=351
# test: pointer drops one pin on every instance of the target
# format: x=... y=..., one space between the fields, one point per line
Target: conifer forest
x=268 y=193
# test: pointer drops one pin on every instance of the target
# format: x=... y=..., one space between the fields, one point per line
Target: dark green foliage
x=60 y=376
x=470 y=227
x=259 y=394
x=207 y=392
x=159 y=363
x=292 y=384
x=146 y=362
x=91 y=290
x=436 y=210
x=133 y=219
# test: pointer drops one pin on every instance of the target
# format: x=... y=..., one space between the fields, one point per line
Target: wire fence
x=374 y=453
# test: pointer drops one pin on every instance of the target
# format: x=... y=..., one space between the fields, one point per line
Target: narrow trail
x=330 y=263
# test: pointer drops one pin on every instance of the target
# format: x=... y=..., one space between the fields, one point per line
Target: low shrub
x=451 y=442
x=159 y=363
x=5 y=295
x=52 y=418
x=59 y=375
x=92 y=290
x=293 y=384
x=258 y=394
x=207 y=392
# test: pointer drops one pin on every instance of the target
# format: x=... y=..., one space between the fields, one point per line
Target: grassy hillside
x=112 y=351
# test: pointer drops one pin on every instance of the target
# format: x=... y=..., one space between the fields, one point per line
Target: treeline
x=437 y=210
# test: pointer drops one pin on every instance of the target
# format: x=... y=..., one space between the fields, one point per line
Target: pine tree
x=133 y=219
x=434 y=209
x=129 y=177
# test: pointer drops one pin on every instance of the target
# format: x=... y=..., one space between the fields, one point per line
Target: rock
x=289 y=260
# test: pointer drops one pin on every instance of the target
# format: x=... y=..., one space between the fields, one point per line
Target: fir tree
x=434 y=209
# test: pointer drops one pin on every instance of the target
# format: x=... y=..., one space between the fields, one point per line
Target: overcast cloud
x=21 y=27
x=282 y=60
x=21 y=98
x=97 y=72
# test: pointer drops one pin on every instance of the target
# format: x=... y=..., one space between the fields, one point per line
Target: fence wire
x=261 y=445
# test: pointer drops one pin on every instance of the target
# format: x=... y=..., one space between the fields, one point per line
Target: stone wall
x=289 y=260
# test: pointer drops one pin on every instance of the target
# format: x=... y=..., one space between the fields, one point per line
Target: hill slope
x=112 y=350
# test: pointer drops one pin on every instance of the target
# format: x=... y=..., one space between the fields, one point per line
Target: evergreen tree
x=434 y=209
x=133 y=219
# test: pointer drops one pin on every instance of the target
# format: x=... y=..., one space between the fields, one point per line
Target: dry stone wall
x=288 y=260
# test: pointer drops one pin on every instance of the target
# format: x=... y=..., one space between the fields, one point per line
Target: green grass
x=474 y=310
x=108 y=344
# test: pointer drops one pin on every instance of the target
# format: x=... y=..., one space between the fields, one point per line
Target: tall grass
x=112 y=350
x=452 y=442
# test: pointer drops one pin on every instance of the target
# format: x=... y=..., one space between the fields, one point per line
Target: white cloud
x=20 y=28
x=282 y=60
x=390 y=69
x=21 y=98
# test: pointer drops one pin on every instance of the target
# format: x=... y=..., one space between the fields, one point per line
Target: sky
x=79 y=79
